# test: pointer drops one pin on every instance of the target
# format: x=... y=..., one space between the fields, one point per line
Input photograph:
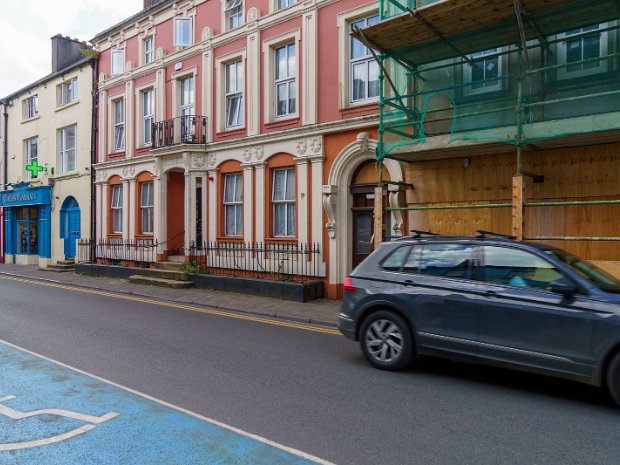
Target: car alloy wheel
x=386 y=341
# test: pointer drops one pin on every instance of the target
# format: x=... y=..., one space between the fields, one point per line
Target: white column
x=259 y=207
x=157 y=216
x=213 y=207
x=126 y=209
x=302 y=200
x=309 y=88
x=248 y=202
x=129 y=120
x=205 y=220
x=160 y=95
x=253 y=73
x=187 y=203
x=192 y=207
x=101 y=209
x=161 y=211
x=103 y=127
x=316 y=216
x=207 y=92
x=132 y=208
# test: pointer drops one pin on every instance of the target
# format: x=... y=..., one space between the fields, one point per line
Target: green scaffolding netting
x=560 y=84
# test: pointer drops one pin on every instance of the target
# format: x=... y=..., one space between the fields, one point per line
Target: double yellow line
x=191 y=308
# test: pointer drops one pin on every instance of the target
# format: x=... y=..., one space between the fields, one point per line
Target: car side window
x=394 y=261
x=447 y=260
x=517 y=268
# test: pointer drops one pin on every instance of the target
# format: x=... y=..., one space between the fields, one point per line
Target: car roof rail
x=482 y=234
x=417 y=233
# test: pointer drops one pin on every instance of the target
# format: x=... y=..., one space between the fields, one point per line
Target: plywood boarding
x=576 y=173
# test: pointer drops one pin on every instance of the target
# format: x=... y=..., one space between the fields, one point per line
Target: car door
x=520 y=320
x=441 y=296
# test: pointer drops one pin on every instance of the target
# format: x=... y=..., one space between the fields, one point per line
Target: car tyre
x=613 y=378
x=386 y=341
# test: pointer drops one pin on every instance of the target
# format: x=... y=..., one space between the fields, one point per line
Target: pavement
x=321 y=312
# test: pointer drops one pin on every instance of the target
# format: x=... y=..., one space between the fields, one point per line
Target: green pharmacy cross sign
x=34 y=168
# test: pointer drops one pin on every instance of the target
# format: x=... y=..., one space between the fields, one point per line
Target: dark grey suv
x=486 y=298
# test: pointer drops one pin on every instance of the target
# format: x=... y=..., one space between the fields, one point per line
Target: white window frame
x=481 y=57
x=366 y=61
x=233 y=14
x=118 y=125
x=284 y=201
x=183 y=33
x=285 y=81
x=31 y=107
x=67 y=92
x=116 y=205
x=233 y=204
x=269 y=77
x=344 y=21
x=562 y=49
x=283 y=4
x=31 y=155
x=117 y=62
x=146 y=208
x=147 y=103
x=234 y=96
x=67 y=154
x=148 y=54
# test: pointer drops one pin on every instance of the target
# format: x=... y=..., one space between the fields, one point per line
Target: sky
x=27 y=25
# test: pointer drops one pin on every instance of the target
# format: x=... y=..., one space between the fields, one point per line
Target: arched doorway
x=70 y=225
x=365 y=179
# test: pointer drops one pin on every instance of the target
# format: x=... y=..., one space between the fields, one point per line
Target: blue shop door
x=70 y=218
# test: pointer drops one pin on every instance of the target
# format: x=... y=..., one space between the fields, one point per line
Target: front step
x=59 y=268
x=164 y=274
x=176 y=258
x=171 y=266
x=160 y=282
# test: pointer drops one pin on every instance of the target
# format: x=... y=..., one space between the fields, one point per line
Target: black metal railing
x=287 y=262
x=188 y=129
x=139 y=252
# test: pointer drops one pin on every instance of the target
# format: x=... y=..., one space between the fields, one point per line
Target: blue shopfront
x=27 y=221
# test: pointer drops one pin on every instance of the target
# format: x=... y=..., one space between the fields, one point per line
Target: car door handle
x=408 y=282
x=490 y=293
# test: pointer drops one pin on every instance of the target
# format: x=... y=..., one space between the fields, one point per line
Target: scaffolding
x=508 y=73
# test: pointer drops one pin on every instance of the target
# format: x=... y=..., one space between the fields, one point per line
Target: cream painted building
x=47 y=199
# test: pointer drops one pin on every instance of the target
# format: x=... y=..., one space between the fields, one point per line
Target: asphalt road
x=313 y=391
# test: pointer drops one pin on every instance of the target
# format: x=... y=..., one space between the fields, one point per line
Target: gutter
x=93 y=157
x=5 y=151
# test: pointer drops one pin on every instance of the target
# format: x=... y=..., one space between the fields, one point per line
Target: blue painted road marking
x=51 y=414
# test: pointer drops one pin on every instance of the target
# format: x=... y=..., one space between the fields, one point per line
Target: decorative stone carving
x=397 y=216
x=199 y=161
x=362 y=139
x=316 y=145
x=330 y=194
x=247 y=155
x=252 y=14
x=101 y=175
x=211 y=160
x=207 y=34
x=302 y=147
x=159 y=53
x=259 y=153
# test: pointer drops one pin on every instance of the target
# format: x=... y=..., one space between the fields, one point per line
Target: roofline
x=45 y=79
x=131 y=19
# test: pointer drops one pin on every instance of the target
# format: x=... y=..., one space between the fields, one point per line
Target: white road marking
x=46 y=441
x=290 y=450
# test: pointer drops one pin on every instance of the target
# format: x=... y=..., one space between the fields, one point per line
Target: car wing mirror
x=566 y=289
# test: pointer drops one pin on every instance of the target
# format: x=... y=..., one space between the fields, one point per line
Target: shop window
x=283 y=200
x=233 y=204
x=27 y=220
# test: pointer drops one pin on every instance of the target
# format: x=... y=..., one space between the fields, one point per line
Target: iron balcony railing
x=287 y=262
x=139 y=252
x=188 y=129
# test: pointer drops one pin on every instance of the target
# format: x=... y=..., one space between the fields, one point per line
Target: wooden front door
x=363 y=225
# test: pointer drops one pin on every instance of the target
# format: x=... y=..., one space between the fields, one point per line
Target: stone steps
x=62 y=266
x=171 y=266
x=161 y=282
x=172 y=275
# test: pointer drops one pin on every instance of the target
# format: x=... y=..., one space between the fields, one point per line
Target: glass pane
x=34 y=238
x=281 y=97
x=70 y=160
x=70 y=137
x=291 y=60
x=512 y=267
x=279 y=218
x=291 y=97
x=278 y=185
x=373 y=79
x=446 y=260
x=21 y=213
x=290 y=224
x=412 y=264
x=22 y=238
x=229 y=188
x=34 y=213
x=281 y=63
x=290 y=185
x=359 y=81
x=238 y=188
x=395 y=259
x=357 y=48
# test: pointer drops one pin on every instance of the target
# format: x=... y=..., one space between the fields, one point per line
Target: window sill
x=289 y=121
x=232 y=132
x=143 y=150
x=34 y=118
x=360 y=108
x=67 y=105
x=238 y=239
x=115 y=155
x=68 y=175
x=282 y=240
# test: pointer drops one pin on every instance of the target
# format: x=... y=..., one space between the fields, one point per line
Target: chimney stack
x=65 y=51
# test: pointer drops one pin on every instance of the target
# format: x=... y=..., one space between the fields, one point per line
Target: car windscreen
x=587 y=271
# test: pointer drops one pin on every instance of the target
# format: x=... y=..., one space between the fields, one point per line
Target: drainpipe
x=5 y=155
x=93 y=156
